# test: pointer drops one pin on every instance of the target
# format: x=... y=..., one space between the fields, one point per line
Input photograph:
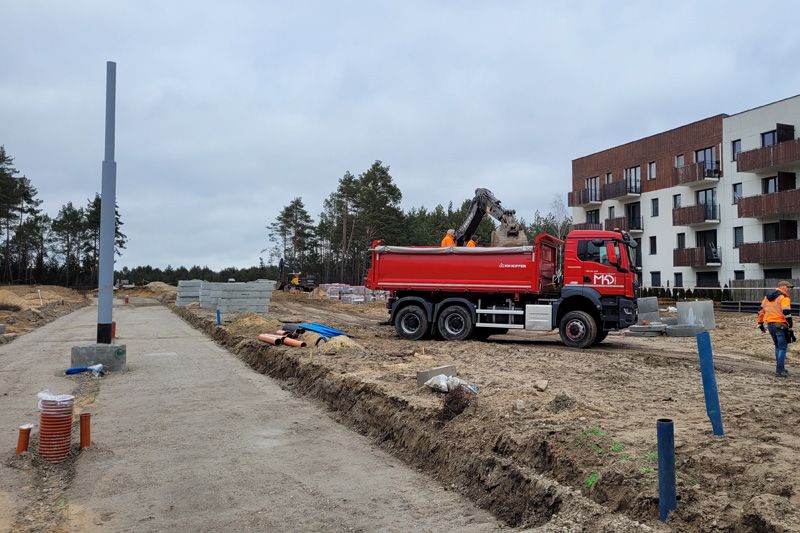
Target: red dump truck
x=584 y=286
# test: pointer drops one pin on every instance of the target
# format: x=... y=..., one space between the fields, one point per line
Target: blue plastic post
x=709 y=382
x=219 y=317
x=665 y=433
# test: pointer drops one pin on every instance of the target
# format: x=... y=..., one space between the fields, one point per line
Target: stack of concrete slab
x=188 y=291
x=237 y=296
x=649 y=320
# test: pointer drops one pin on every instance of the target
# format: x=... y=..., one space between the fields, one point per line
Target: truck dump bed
x=522 y=269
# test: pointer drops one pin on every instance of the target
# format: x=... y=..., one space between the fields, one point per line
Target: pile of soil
x=252 y=325
x=25 y=307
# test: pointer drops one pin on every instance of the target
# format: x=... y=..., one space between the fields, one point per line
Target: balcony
x=770 y=205
x=622 y=190
x=695 y=215
x=629 y=224
x=770 y=157
x=770 y=253
x=697 y=174
x=583 y=197
x=695 y=257
x=587 y=225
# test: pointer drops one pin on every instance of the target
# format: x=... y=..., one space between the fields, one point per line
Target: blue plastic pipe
x=709 y=382
x=665 y=433
x=219 y=318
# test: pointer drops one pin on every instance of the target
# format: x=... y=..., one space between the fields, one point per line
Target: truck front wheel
x=411 y=322
x=578 y=329
x=455 y=323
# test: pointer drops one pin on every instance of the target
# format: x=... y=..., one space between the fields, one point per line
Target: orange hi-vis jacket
x=471 y=244
x=448 y=241
x=776 y=308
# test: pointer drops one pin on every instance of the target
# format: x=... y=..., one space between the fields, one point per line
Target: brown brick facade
x=661 y=148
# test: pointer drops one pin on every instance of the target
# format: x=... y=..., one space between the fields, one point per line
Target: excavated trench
x=484 y=470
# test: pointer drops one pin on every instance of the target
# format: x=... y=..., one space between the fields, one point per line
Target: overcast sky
x=227 y=110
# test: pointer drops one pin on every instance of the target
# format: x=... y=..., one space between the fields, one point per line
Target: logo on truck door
x=605 y=279
x=513 y=265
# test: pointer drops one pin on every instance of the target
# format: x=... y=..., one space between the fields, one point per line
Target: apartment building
x=708 y=202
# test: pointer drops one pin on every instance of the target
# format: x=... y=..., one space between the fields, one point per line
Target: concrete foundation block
x=650 y=327
x=643 y=333
x=425 y=375
x=111 y=356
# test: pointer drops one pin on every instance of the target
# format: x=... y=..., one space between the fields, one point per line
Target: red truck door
x=598 y=262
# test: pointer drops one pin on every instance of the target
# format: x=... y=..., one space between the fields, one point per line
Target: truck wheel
x=577 y=329
x=455 y=323
x=411 y=322
x=601 y=336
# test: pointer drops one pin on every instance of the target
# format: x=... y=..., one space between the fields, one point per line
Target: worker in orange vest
x=473 y=242
x=449 y=239
x=776 y=313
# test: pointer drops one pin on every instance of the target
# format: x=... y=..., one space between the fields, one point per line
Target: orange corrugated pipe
x=86 y=431
x=294 y=342
x=276 y=340
x=24 y=438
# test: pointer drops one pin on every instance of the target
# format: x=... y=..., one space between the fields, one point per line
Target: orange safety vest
x=772 y=312
x=471 y=244
x=448 y=241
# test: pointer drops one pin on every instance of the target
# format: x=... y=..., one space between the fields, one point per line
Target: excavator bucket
x=509 y=235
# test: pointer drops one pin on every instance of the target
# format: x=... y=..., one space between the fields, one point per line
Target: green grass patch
x=591 y=480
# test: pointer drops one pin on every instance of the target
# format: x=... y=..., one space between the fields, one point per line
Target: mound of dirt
x=339 y=344
x=318 y=294
x=9 y=298
x=252 y=324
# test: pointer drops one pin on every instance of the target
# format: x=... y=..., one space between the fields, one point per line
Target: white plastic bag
x=62 y=399
x=437 y=383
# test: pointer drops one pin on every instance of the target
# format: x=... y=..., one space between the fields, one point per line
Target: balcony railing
x=695 y=214
x=769 y=253
x=618 y=189
x=583 y=197
x=588 y=225
x=770 y=205
x=783 y=153
x=624 y=224
x=695 y=257
x=698 y=173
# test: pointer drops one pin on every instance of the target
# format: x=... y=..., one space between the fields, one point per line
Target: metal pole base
x=103 y=333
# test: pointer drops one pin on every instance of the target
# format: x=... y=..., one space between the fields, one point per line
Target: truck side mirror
x=612 y=253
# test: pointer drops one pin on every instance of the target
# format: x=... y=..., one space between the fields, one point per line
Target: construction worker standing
x=776 y=313
x=449 y=239
x=473 y=242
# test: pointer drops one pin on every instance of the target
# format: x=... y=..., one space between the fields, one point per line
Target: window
x=777 y=273
x=679 y=161
x=738 y=274
x=611 y=211
x=655 y=279
x=593 y=216
x=771 y=232
x=653 y=248
x=609 y=177
x=708 y=279
x=681 y=241
x=769 y=185
x=737 y=192
x=768 y=138
x=654 y=207
x=676 y=201
x=588 y=251
x=593 y=186
x=678 y=279
x=736 y=148
x=651 y=170
x=633 y=178
x=738 y=236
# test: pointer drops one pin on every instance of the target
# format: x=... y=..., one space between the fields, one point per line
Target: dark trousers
x=778 y=333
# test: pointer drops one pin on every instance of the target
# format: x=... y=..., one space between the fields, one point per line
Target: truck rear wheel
x=578 y=329
x=454 y=323
x=411 y=322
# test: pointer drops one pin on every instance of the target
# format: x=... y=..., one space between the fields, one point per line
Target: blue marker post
x=709 y=382
x=219 y=317
x=665 y=433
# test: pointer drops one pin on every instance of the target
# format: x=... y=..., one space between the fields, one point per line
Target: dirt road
x=191 y=439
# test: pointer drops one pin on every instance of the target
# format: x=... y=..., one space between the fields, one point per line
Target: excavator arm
x=509 y=233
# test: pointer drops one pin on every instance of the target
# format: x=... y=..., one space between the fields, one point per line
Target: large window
x=777 y=273
x=706 y=155
x=768 y=138
x=593 y=186
x=769 y=185
x=588 y=251
x=593 y=216
x=736 y=148
x=651 y=170
x=678 y=279
x=681 y=241
x=653 y=247
x=655 y=279
x=738 y=236
x=679 y=161
x=737 y=192
x=771 y=232
x=633 y=178
x=676 y=201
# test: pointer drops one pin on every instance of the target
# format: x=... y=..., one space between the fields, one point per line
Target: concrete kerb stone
x=111 y=356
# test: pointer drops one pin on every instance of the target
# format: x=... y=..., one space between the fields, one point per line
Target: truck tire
x=578 y=329
x=601 y=336
x=454 y=323
x=411 y=322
